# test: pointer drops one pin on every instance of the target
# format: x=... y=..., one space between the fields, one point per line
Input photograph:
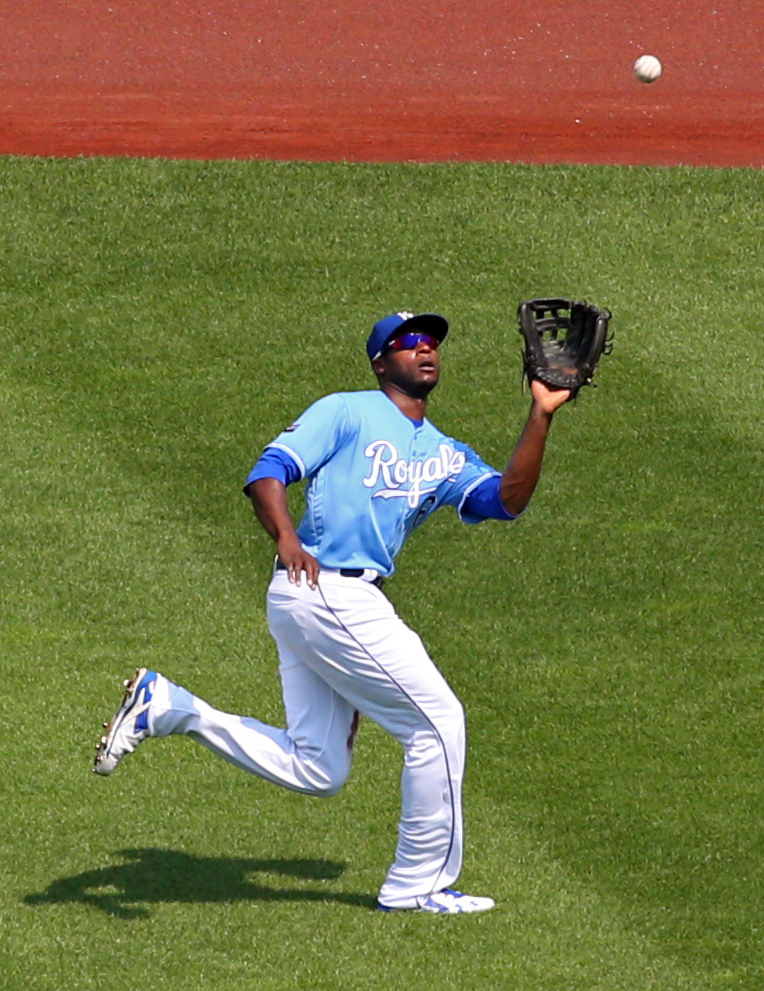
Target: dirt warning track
x=385 y=80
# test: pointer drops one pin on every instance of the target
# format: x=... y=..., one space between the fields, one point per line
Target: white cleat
x=129 y=726
x=445 y=902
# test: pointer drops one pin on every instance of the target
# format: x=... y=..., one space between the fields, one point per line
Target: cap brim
x=432 y=323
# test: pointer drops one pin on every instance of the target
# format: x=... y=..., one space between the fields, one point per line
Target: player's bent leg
x=315 y=762
x=320 y=723
x=310 y=766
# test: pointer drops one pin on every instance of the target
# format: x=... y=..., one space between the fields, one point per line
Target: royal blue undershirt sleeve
x=484 y=502
x=275 y=463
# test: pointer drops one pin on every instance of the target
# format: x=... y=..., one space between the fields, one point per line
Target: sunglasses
x=407 y=342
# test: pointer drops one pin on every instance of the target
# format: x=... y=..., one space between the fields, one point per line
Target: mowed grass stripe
x=161 y=321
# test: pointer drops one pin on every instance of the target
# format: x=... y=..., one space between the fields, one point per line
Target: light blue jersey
x=374 y=476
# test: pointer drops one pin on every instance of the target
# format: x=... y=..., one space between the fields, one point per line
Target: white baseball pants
x=343 y=650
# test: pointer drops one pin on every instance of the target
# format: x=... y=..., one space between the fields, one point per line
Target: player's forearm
x=269 y=501
x=521 y=475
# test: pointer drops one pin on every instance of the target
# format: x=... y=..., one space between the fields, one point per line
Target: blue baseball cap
x=388 y=328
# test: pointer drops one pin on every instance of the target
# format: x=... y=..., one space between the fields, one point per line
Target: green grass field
x=160 y=323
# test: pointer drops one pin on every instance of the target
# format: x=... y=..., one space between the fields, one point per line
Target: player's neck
x=413 y=407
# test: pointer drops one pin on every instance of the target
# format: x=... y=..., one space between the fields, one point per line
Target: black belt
x=379 y=581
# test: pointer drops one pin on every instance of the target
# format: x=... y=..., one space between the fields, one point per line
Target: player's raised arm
x=564 y=341
x=521 y=475
x=269 y=501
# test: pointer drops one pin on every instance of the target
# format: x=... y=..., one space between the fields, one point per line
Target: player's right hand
x=296 y=560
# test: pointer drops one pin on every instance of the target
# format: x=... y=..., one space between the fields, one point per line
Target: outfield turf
x=160 y=323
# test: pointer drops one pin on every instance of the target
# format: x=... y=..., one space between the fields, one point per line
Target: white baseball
x=647 y=68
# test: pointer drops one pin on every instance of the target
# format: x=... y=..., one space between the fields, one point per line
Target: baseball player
x=376 y=469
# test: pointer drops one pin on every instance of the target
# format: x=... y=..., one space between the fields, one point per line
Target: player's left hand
x=549 y=399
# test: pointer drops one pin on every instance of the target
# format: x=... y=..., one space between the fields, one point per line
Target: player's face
x=411 y=363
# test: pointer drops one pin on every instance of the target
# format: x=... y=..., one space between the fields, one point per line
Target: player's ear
x=378 y=366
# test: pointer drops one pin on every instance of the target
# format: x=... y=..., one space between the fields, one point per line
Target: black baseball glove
x=564 y=341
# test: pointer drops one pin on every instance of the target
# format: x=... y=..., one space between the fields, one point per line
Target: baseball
x=647 y=68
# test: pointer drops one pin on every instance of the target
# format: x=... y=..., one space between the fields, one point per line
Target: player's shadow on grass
x=155 y=876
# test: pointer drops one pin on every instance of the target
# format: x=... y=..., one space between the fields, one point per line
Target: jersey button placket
x=417 y=453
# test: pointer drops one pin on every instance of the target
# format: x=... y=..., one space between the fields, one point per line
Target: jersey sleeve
x=315 y=436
